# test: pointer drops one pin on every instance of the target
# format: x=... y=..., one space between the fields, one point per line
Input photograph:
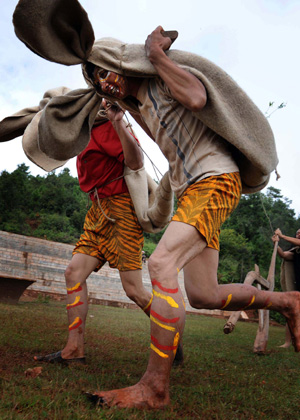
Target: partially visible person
x=112 y=232
x=290 y=279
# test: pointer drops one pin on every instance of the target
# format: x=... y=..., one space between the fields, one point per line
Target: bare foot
x=285 y=345
x=136 y=396
x=292 y=315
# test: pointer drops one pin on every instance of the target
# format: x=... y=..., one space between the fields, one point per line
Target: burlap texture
x=153 y=203
x=49 y=30
x=287 y=276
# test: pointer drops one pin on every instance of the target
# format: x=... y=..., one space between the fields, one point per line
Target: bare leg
x=133 y=286
x=204 y=293
x=167 y=319
x=200 y=269
x=80 y=267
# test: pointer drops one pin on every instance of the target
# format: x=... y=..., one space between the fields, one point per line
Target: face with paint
x=111 y=83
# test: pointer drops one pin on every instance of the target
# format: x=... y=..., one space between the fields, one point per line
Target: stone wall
x=44 y=262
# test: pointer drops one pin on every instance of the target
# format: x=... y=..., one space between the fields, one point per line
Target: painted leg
x=133 y=286
x=76 y=274
x=167 y=321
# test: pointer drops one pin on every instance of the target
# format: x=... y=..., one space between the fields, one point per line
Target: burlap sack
x=153 y=203
x=50 y=30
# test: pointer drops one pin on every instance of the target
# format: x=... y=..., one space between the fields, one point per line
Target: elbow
x=134 y=165
x=197 y=102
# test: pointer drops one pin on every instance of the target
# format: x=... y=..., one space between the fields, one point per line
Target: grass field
x=221 y=379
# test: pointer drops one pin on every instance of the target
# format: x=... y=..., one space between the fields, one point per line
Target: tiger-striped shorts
x=120 y=242
x=208 y=203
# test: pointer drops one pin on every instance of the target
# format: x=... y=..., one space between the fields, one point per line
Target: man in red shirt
x=112 y=232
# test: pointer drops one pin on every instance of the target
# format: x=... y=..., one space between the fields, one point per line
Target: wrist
x=155 y=54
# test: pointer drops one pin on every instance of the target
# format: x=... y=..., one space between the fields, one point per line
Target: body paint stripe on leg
x=75 y=303
x=76 y=288
x=160 y=353
x=170 y=300
x=163 y=319
x=77 y=322
x=164 y=289
x=224 y=304
x=251 y=301
x=175 y=342
x=148 y=304
x=161 y=347
x=166 y=327
x=267 y=304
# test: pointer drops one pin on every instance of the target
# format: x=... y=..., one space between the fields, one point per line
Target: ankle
x=72 y=351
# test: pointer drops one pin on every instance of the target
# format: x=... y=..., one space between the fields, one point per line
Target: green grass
x=221 y=379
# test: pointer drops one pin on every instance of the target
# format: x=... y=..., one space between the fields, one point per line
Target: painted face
x=111 y=83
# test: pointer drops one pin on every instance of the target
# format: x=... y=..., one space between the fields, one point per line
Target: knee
x=157 y=265
x=131 y=293
x=202 y=301
x=70 y=275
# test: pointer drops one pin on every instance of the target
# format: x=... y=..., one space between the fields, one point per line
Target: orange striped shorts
x=208 y=203
x=120 y=243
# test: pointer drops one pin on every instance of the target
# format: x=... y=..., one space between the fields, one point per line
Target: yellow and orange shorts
x=208 y=203
x=120 y=243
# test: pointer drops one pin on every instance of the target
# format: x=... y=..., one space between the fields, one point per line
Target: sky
x=254 y=41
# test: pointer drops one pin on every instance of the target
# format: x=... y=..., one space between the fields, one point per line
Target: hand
x=113 y=111
x=275 y=238
x=156 y=42
x=278 y=232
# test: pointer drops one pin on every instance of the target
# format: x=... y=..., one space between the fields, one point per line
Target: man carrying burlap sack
x=205 y=176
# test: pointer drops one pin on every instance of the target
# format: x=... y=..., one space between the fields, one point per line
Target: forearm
x=184 y=86
x=280 y=252
x=286 y=255
x=133 y=155
x=293 y=241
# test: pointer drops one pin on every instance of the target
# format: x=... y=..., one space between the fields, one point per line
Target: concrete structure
x=38 y=266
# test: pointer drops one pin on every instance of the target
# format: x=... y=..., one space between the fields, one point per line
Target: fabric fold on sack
x=57 y=30
x=26 y=123
x=66 y=123
x=153 y=203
